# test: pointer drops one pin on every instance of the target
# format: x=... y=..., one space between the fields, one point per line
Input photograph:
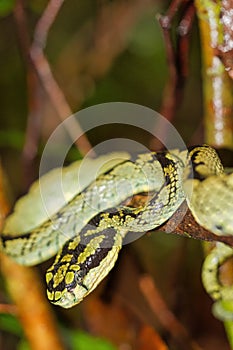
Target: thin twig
x=183 y=42
x=8 y=309
x=58 y=100
x=164 y=314
x=45 y=22
x=177 y=54
x=48 y=82
x=177 y=50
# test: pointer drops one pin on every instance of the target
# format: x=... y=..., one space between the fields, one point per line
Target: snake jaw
x=70 y=298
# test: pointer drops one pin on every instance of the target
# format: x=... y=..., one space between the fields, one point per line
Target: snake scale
x=88 y=231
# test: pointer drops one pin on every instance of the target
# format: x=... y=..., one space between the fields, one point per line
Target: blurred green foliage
x=9 y=323
x=77 y=340
x=138 y=75
x=6 y=7
x=83 y=341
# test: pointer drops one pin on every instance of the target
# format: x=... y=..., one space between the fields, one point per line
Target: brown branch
x=183 y=223
x=45 y=22
x=58 y=99
x=25 y=288
x=184 y=29
x=177 y=54
x=112 y=22
x=169 y=96
x=33 y=310
x=47 y=80
x=38 y=67
x=44 y=73
x=8 y=309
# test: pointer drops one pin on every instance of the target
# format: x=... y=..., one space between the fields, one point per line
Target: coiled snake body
x=87 y=232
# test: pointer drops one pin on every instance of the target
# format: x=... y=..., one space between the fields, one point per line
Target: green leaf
x=23 y=345
x=6 y=7
x=9 y=323
x=11 y=138
x=84 y=341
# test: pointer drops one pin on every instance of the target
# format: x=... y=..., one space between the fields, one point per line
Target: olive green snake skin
x=88 y=231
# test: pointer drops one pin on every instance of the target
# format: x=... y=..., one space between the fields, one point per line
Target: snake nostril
x=219 y=227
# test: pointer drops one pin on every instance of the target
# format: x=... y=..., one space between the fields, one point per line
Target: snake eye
x=78 y=277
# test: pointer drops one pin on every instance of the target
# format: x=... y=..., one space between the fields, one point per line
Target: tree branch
x=25 y=288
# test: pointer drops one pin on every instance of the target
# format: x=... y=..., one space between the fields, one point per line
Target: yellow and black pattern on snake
x=88 y=231
x=91 y=255
x=81 y=264
x=131 y=177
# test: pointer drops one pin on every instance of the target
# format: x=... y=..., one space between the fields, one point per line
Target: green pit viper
x=87 y=232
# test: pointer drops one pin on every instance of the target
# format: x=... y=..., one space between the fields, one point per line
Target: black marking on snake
x=6 y=237
x=95 y=221
x=160 y=156
x=196 y=174
x=65 y=251
x=191 y=148
x=100 y=253
x=56 y=216
x=60 y=287
x=165 y=162
x=114 y=167
x=91 y=261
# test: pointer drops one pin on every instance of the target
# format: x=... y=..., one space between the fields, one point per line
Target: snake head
x=76 y=274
